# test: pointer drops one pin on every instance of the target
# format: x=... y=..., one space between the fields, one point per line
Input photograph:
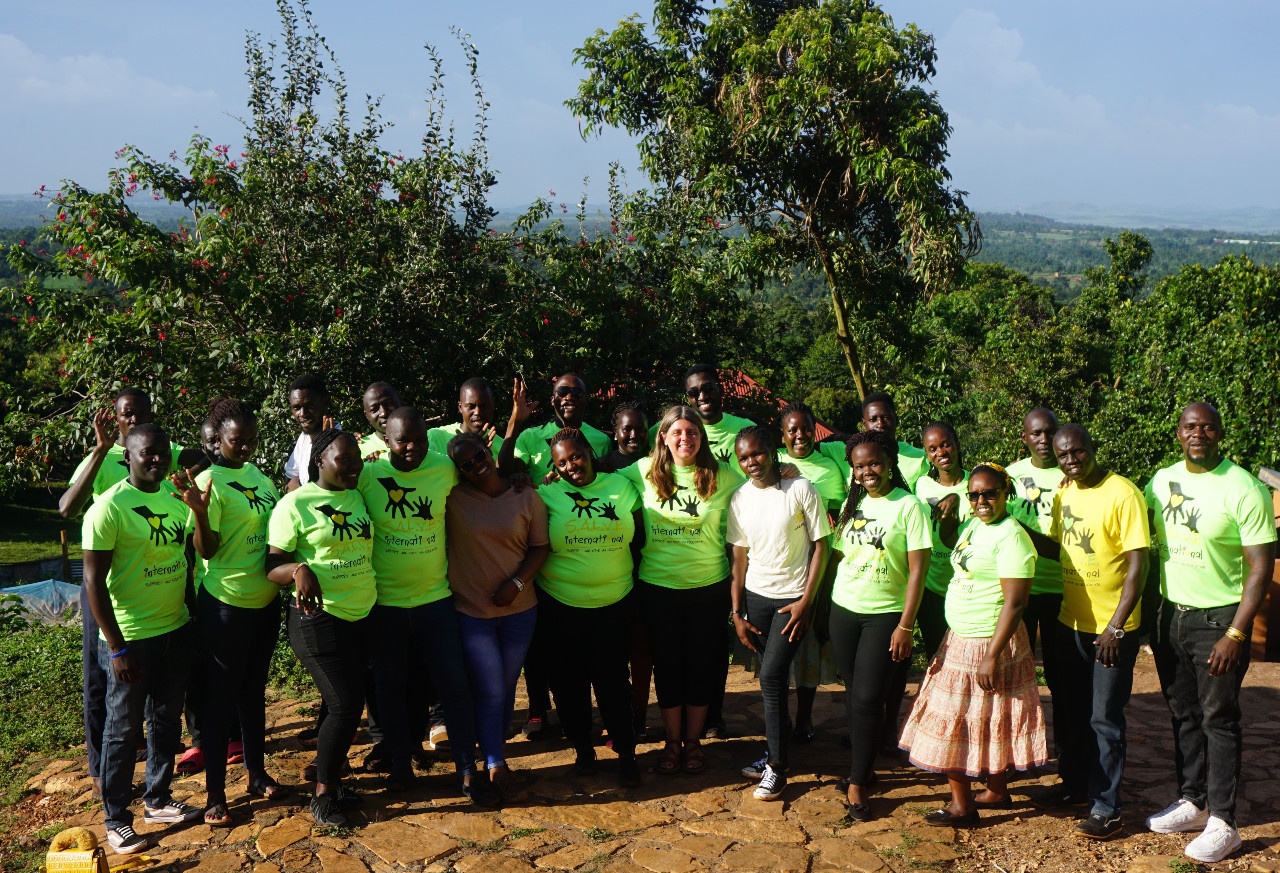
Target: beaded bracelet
x=115 y=655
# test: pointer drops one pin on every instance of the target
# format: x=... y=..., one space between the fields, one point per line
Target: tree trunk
x=851 y=356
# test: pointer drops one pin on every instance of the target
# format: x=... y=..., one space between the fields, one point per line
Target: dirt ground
x=692 y=824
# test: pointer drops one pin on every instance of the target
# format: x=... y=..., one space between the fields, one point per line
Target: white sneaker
x=1217 y=842
x=756 y=769
x=125 y=840
x=771 y=784
x=171 y=813
x=1182 y=815
x=438 y=738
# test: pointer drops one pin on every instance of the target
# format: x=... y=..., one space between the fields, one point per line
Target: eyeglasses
x=987 y=494
x=705 y=388
x=470 y=463
x=569 y=391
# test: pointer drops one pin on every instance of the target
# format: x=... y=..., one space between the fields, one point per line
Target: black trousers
x=686 y=638
x=860 y=644
x=336 y=654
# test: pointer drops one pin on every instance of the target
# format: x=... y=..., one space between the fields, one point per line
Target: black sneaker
x=481 y=791
x=628 y=772
x=1058 y=796
x=585 y=764
x=534 y=729
x=803 y=735
x=326 y=811
x=347 y=798
x=377 y=761
x=1100 y=827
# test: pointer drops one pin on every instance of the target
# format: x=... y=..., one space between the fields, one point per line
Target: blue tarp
x=50 y=601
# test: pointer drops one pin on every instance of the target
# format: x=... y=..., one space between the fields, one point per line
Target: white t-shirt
x=299 y=459
x=778 y=526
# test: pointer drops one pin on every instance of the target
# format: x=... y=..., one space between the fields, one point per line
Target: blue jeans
x=494 y=650
x=1206 y=709
x=428 y=633
x=776 y=654
x=95 y=686
x=1089 y=705
x=164 y=662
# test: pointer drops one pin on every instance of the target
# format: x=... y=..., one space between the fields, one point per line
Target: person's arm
x=947 y=514
x=900 y=644
x=204 y=538
x=798 y=611
x=1259 y=563
x=75 y=497
x=638 y=539
x=283 y=570
x=522 y=409
x=97 y=564
x=737 y=597
x=1016 y=592
x=507 y=591
x=1046 y=547
x=1135 y=577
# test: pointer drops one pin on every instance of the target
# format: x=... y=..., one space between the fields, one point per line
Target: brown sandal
x=692 y=758
x=668 y=760
x=216 y=816
x=265 y=786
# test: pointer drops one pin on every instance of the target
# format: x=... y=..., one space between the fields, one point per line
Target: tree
x=808 y=123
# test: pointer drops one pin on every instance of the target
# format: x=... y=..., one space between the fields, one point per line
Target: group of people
x=426 y=568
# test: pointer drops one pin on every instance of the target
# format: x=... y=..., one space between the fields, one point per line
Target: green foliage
x=810 y=125
x=286 y=673
x=40 y=674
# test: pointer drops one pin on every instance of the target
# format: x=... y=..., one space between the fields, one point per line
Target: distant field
x=30 y=528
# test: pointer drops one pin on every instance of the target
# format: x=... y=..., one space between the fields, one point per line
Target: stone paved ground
x=691 y=824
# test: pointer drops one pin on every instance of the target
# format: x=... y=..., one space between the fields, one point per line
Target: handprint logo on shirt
x=343 y=526
x=259 y=503
x=1176 y=510
x=582 y=504
x=158 y=532
x=397 y=495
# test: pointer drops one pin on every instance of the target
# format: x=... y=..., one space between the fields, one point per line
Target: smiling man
x=476 y=405
x=379 y=400
x=309 y=405
x=569 y=405
x=1216 y=542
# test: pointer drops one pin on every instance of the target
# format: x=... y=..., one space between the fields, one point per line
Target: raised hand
x=521 y=406
x=104 y=428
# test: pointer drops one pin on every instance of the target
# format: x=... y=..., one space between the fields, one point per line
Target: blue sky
x=1160 y=104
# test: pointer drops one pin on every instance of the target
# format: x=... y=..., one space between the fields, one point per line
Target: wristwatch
x=1117 y=632
x=518 y=582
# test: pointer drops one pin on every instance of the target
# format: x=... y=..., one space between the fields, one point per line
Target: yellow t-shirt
x=1095 y=527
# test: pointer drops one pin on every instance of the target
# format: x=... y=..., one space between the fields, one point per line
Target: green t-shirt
x=1202 y=521
x=239 y=510
x=872 y=578
x=1032 y=504
x=930 y=491
x=985 y=554
x=146 y=533
x=912 y=462
x=438 y=439
x=371 y=443
x=825 y=475
x=684 y=536
x=410 y=560
x=330 y=532
x=590 y=530
x=533 y=446
x=114 y=469
x=1096 y=527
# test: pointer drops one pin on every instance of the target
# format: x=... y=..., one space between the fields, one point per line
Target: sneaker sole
x=1182 y=829
x=1227 y=853
x=141 y=846
x=758 y=796
x=1102 y=838
x=171 y=819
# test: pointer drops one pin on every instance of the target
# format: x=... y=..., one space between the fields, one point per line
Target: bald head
x=1199 y=433
x=1073 y=448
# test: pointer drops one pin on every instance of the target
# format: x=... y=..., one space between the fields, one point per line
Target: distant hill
x=1253 y=219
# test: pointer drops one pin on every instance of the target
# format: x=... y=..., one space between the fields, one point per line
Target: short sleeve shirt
x=931 y=492
x=1095 y=527
x=1202 y=521
x=146 y=532
x=912 y=462
x=330 y=532
x=533 y=446
x=1032 y=504
x=871 y=579
x=823 y=472
x=240 y=505
x=372 y=443
x=590 y=528
x=410 y=560
x=438 y=439
x=684 y=534
x=777 y=526
x=985 y=554
x=488 y=538
x=114 y=469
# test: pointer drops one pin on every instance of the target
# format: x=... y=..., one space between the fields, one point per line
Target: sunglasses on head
x=469 y=464
x=569 y=391
x=987 y=494
x=706 y=388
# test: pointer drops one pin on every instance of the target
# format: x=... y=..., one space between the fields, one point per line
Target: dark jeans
x=1089 y=705
x=537 y=685
x=1205 y=709
x=776 y=654
x=336 y=654
x=238 y=645
x=428 y=636
x=860 y=644
x=686 y=636
x=95 y=686
x=587 y=648
x=1041 y=619
x=164 y=662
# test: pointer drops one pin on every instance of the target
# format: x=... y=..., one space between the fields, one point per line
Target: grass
x=518 y=833
x=902 y=853
x=597 y=835
x=1183 y=865
x=31 y=533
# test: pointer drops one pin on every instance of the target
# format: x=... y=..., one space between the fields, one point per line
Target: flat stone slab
x=705 y=847
x=745 y=830
x=762 y=810
x=617 y=817
x=837 y=854
x=282 y=835
x=473 y=826
x=570 y=857
x=398 y=843
x=338 y=862
x=706 y=802
x=667 y=861
x=295 y=858
x=761 y=856
x=224 y=862
x=491 y=863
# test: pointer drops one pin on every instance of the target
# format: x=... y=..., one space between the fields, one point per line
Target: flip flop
x=235 y=752
x=191 y=762
x=216 y=816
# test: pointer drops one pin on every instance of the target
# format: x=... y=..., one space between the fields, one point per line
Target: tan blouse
x=488 y=538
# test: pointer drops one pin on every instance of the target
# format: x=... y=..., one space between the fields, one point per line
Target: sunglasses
x=708 y=388
x=469 y=464
x=569 y=391
x=987 y=494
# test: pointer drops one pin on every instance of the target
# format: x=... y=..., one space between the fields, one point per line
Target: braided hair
x=626 y=406
x=226 y=409
x=856 y=491
x=766 y=435
x=796 y=407
x=945 y=427
x=319 y=443
x=572 y=435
